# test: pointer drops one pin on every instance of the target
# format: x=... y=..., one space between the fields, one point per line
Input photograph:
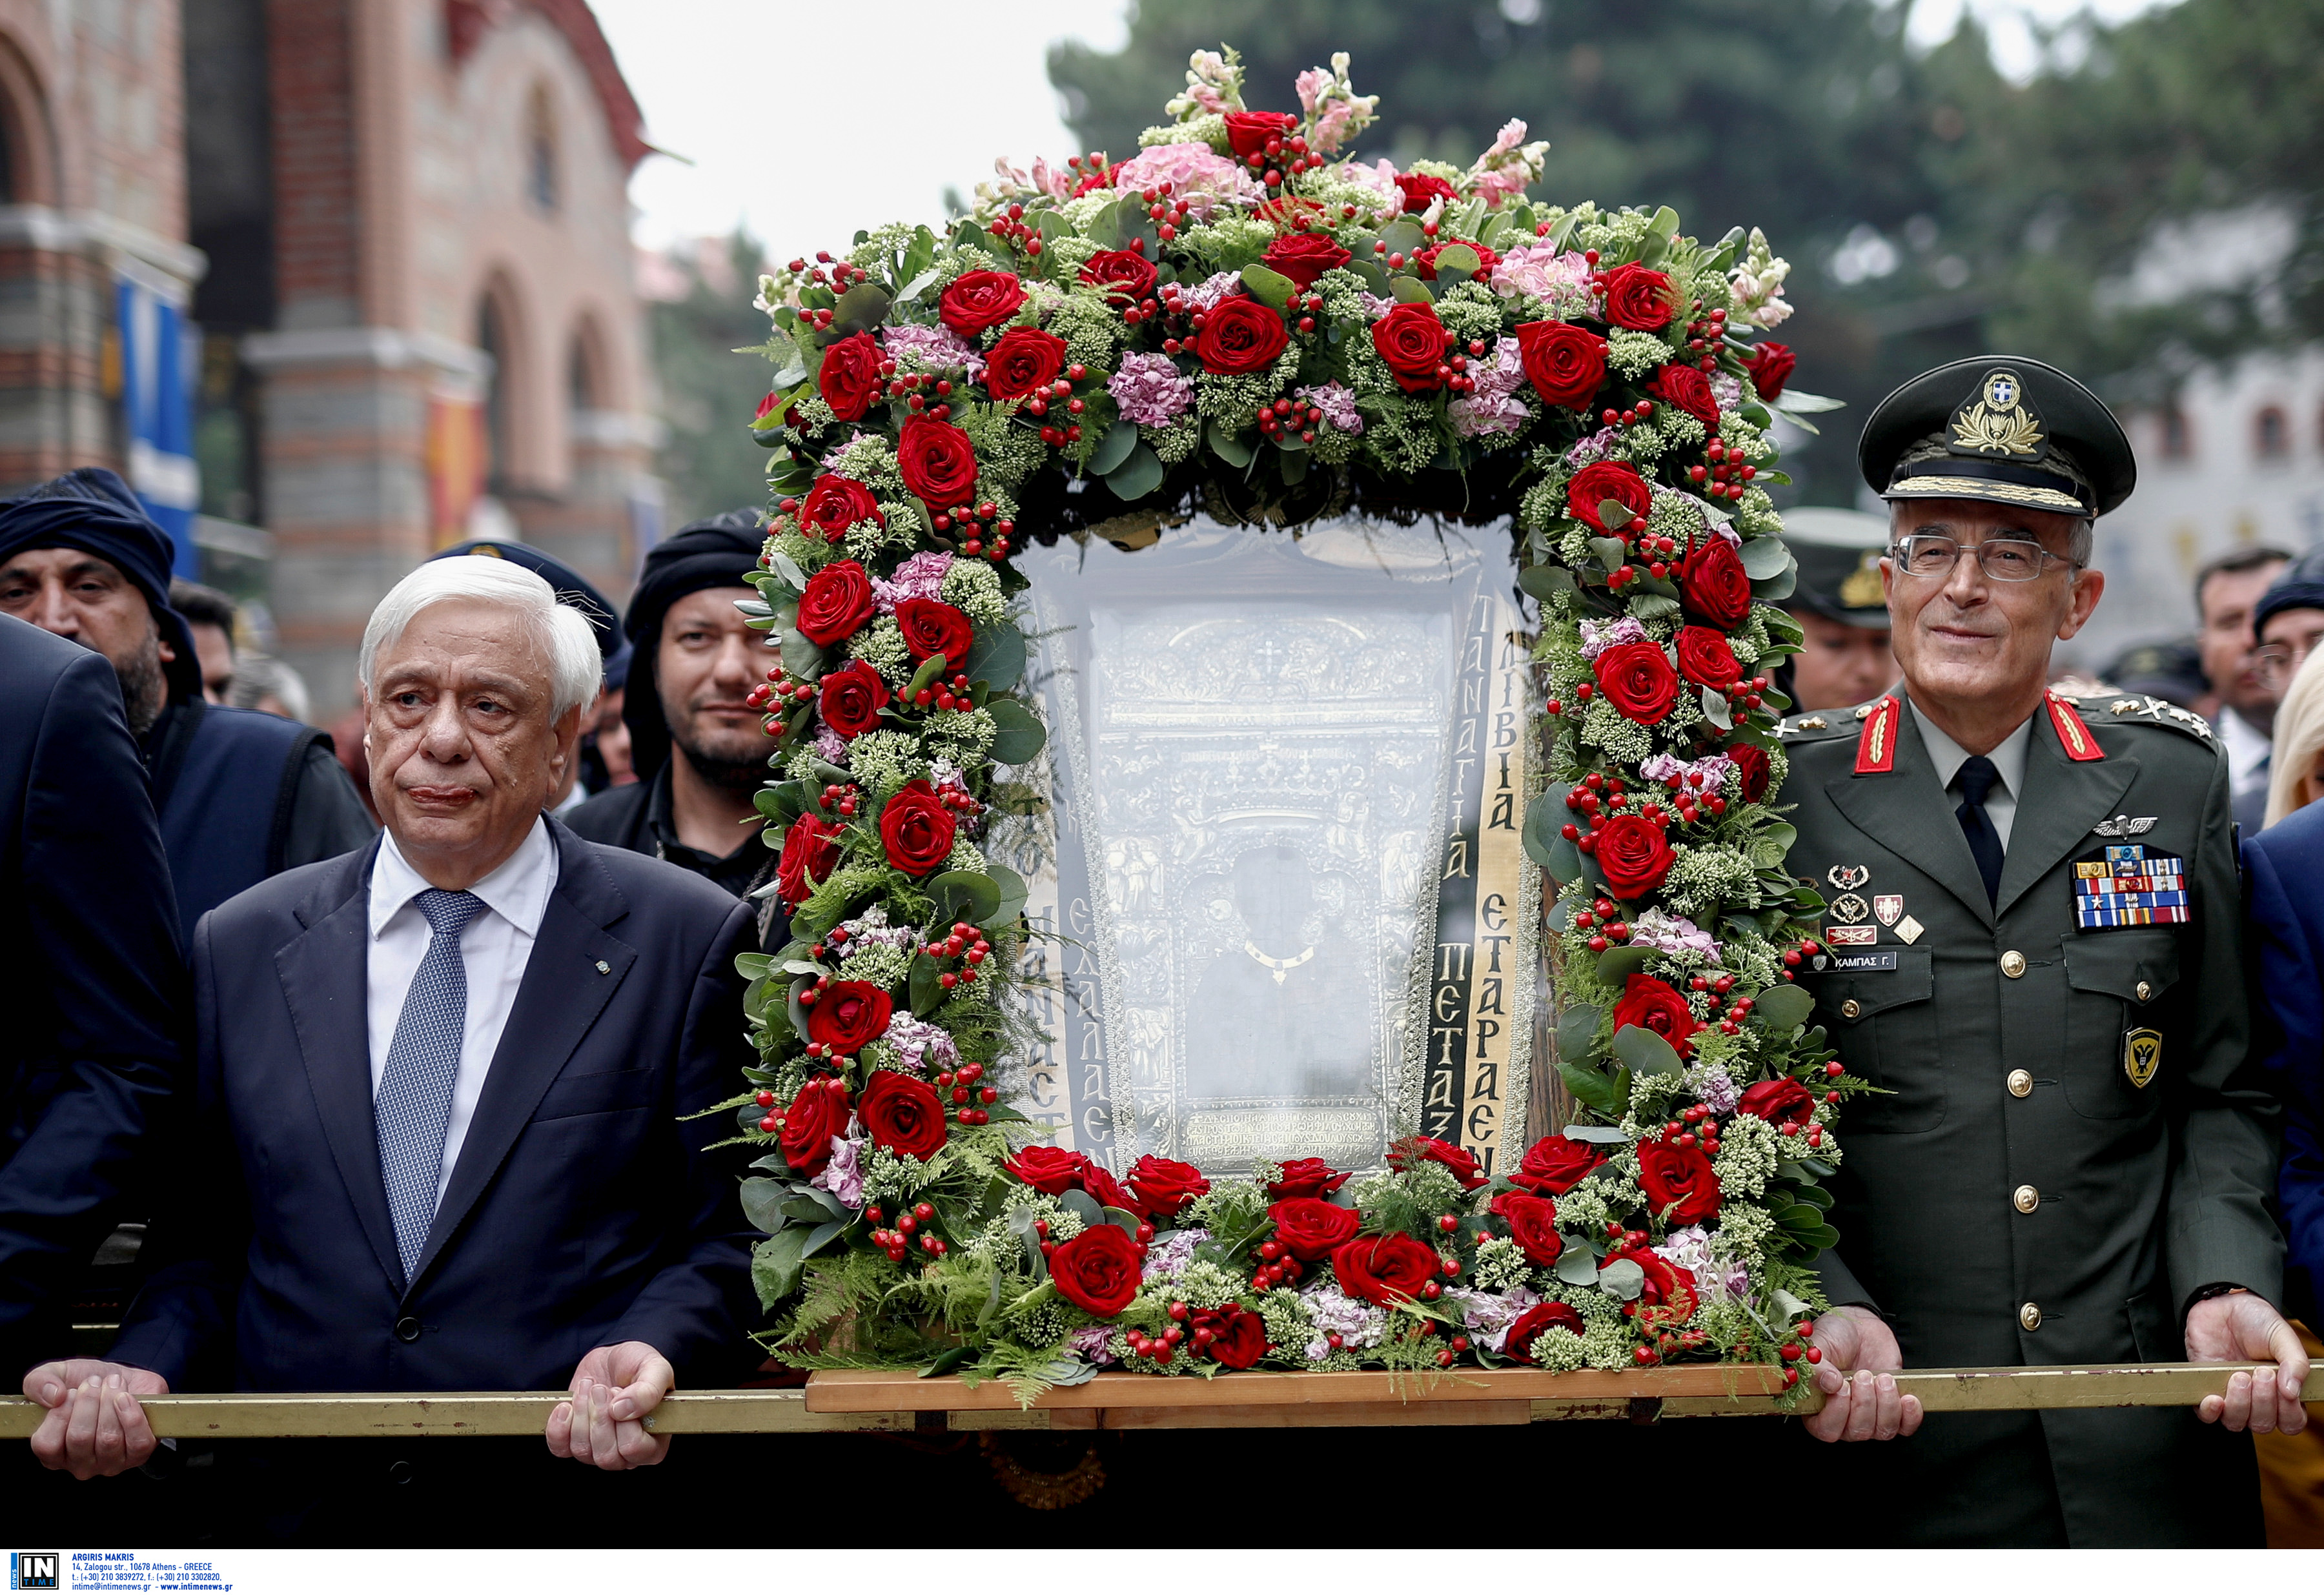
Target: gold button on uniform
x=2012 y=963
x=2144 y=990
x=2021 y=1083
x=2027 y=1199
x=2029 y=1316
x=1851 y=1009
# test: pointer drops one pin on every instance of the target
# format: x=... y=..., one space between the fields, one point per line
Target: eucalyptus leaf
x=1021 y=735
x=926 y=985
x=1140 y=471
x=1715 y=709
x=1546 y=581
x=965 y=895
x=1375 y=280
x=920 y=284
x=1578 y=1265
x=763 y=1203
x=1652 y=606
x=1565 y=861
x=775 y=1265
x=1792 y=402
x=803 y=658
x=1610 y=550
x=1227 y=445
x=1542 y=824
x=1613 y=514
x=1591 y=1088
x=1622 y=1279
x=1013 y=893
x=1799 y=1216
x=1779 y=1008
x=821 y=1236
x=1777 y=587
x=859 y=309
x=1082 y=1205
x=1403 y=235
x=1269 y=287
x=997 y=655
x=1113 y=448
x=1822 y=1238
x=1412 y=291
x=1764 y=557
x=1577 y=1027
x=1123 y=1220
x=1645 y=1052
x=787 y=568
x=1616 y=964
x=1457 y=261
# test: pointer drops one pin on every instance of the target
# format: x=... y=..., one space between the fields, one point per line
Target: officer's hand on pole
x=95 y=1428
x=600 y=1423
x=2240 y=1327
x=1860 y=1399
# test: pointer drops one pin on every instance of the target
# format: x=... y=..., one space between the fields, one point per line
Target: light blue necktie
x=415 y=1091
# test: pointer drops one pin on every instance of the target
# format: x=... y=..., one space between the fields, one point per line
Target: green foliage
x=707 y=390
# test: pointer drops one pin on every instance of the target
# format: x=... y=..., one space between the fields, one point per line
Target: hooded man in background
x=696 y=742
x=241 y=796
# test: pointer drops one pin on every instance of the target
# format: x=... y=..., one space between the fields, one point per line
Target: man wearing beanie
x=696 y=740
x=241 y=795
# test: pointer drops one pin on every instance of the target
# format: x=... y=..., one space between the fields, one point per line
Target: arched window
x=2271 y=434
x=26 y=150
x=541 y=150
x=2178 y=441
x=493 y=338
x=581 y=384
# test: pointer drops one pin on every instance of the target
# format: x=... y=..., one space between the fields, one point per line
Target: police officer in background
x=1837 y=600
x=2032 y=949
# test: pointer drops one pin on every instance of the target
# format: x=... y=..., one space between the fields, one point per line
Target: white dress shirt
x=2247 y=748
x=2008 y=759
x=494 y=951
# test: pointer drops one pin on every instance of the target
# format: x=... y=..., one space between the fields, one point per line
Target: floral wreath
x=1244 y=318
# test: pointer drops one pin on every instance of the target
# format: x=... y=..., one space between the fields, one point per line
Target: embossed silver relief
x=1253 y=776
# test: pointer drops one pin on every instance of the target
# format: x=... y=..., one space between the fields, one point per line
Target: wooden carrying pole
x=873 y=1400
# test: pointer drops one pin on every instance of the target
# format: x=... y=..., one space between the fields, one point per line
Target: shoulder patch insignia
x=2079 y=744
x=1875 y=748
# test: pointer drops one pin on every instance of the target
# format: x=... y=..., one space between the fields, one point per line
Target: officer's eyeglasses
x=2003 y=559
x=2276 y=664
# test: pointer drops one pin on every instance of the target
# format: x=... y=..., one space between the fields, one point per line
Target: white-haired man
x=441 y=1082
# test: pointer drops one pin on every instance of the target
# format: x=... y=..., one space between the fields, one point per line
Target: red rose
x=1705 y=658
x=1386 y=1270
x=1426 y=259
x=1639 y=299
x=809 y=851
x=1713 y=583
x=1125 y=277
x=837 y=600
x=1421 y=1148
x=931 y=628
x=1163 y=1186
x=1554 y=1165
x=766 y=406
x=1306 y=1177
x=1667 y=1285
x=1770 y=366
x=938 y=461
x=1305 y=256
x=1596 y=483
x=1752 y=761
x=852 y=699
x=816 y=1114
x=1024 y=362
x=1051 y=1170
x=1419 y=190
x=1633 y=854
x=1535 y=1322
x=1564 y=362
x=1638 y=679
x=1690 y=390
x=916 y=830
x=1234 y=1334
x=902 y=1114
x=850 y=377
x=1655 y=1005
x=1533 y=1225
x=1411 y=340
x=1239 y=336
x=1310 y=1229
x=979 y=300
x=1778 y=1102
x=1099 y=1182
x=834 y=503
x=1677 y=1180
x=1098 y=1271
x=850 y=1016
x=1248 y=131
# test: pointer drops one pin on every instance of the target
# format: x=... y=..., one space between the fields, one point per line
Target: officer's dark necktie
x=1977 y=780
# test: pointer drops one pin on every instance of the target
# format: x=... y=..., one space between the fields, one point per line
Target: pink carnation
x=1535 y=271
x=1337 y=404
x=1196 y=173
x=934 y=348
x=1150 y=389
x=920 y=577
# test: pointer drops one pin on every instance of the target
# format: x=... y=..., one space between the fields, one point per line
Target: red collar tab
x=1876 y=749
x=2073 y=734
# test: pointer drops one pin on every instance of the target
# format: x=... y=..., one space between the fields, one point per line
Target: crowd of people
x=394 y=1038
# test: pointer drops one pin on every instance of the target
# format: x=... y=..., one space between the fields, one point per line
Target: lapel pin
x=2123 y=825
x=1908 y=930
x=1888 y=909
x=604 y=967
x=1850 y=909
x=1846 y=877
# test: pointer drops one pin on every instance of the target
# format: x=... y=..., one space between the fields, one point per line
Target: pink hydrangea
x=1196 y=173
x=1338 y=403
x=831 y=747
x=920 y=577
x=1494 y=405
x=1598 y=636
x=1535 y=271
x=1150 y=389
x=920 y=1045
x=934 y=348
x=842 y=1176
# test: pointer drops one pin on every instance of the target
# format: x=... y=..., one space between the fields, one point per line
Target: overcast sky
x=805 y=123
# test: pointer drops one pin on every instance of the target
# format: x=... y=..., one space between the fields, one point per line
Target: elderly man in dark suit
x=89 y=973
x=442 y=1078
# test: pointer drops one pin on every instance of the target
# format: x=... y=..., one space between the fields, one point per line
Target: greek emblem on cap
x=1861 y=589
x=1995 y=422
x=2142 y=1054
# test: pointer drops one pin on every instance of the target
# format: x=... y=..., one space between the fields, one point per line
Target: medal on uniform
x=2142 y=1054
x=1851 y=935
x=1888 y=909
x=2129 y=884
x=1850 y=909
x=1908 y=930
x=2122 y=824
x=1846 y=877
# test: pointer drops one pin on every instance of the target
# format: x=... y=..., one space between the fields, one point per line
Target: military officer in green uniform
x=2031 y=949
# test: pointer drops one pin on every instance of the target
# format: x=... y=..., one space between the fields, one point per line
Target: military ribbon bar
x=1876 y=749
x=2079 y=744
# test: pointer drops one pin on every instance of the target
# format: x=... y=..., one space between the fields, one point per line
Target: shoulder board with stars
x=2131 y=708
x=1820 y=723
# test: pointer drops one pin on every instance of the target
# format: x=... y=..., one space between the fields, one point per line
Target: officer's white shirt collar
x=517 y=891
x=2247 y=748
x=2008 y=759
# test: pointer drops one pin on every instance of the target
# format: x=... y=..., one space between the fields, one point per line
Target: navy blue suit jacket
x=2283 y=905
x=91 y=977
x=581 y=1211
